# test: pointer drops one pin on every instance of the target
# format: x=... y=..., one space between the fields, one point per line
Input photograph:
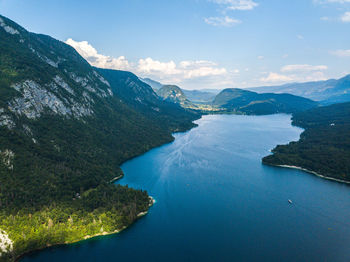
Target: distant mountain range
x=235 y=100
x=329 y=91
x=201 y=96
x=326 y=92
x=196 y=96
x=248 y=102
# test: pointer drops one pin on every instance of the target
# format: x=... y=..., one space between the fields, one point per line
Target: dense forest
x=324 y=146
x=239 y=101
x=64 y=132
x=66 y=127
x=143 y=99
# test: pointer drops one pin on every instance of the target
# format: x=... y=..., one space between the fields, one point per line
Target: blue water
x=217 y=202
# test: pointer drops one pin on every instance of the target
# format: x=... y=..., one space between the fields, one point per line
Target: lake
x=217 y=202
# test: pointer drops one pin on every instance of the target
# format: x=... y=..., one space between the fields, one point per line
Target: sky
x=200 y=44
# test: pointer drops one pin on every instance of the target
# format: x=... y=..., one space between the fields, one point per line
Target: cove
x=217 y=202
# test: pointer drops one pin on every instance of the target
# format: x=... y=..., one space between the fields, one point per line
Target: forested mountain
x=247 y=102
x=340 y=93
x=324 y=146
x=142 y=98
x=200 y=96
x=64 y=131
x=329 y=91
x=173 y=93
x=195 y=96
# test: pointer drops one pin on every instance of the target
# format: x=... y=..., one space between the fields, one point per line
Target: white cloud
x=260 y=57
x=296 y=73
x=341 y=53
x=184 y=70
x=94 y=58
x=275 y=77
x=202 y=68
x=338 y=1
x=150 y=66
x=168 y=72
x=345 y=17
x=222 y=21
x=303 y=68
x=237 y=4
x=331 y=1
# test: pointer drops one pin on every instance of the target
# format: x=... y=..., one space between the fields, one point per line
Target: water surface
x=217 y=202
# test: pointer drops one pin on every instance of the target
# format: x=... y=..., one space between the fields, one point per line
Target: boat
x=290 y=201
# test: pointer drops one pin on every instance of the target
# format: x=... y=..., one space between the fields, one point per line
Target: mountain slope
x=142 y=98
x=173 y=93
x=247 y=102
x=328 y=91
x=324 y=146
x=152 y=83
x=200 y=96
x=340 y=93
x=311 y=90
x=63 y=135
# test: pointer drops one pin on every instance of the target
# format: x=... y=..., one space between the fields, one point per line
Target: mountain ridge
x=64 y=133
x=321 y=91
x=174 y=94
x=248 y=102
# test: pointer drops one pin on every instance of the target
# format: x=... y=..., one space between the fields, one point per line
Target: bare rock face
x=7 y=157
x=44 y=58
x=35 y=99
x=6 y=120
x=49 y=77
x=8 y=28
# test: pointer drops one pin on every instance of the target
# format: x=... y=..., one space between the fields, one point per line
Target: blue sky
x=200 y=44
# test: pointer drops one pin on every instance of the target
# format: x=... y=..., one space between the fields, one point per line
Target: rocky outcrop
x=35 y=99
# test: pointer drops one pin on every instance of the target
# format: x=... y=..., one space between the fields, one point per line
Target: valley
x=70 y=130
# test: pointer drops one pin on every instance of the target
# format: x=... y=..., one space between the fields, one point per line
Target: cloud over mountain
x=165 y=71
x=296 y=73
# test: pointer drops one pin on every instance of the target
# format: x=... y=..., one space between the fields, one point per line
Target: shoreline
x=310 y=172
x=88 y=237
x=140 y=215
x=117 y=178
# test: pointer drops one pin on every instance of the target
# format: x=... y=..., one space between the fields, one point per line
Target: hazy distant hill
x=152 y=83
x=200 y=96
x=175 y=94
x=248 y=102
x=196 y=96
x=328 y=91
x=340 y=92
